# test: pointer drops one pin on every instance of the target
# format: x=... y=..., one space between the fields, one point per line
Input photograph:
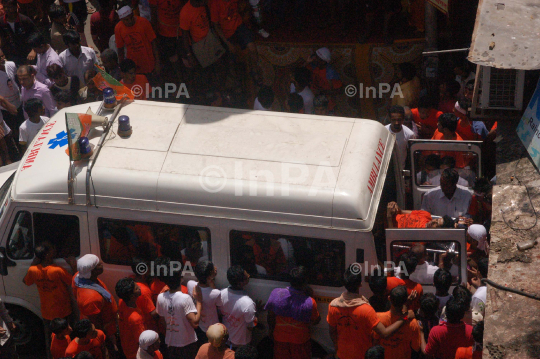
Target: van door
x=427 y=157
x=448 y=246
x=26 y=228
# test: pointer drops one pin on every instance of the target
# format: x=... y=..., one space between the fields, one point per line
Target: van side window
x=122 y=241
x=62 y=230
x=272 y=256
x=21 y=241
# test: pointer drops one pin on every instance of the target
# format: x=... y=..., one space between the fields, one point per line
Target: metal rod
x=98 y=149
x=444 y=51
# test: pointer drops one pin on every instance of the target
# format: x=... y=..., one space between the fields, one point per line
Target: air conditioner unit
x=501 y=89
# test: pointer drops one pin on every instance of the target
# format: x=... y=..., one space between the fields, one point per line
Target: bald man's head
x=419 y=252
x=26 y=74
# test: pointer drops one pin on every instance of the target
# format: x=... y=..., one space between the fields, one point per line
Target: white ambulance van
x=265 y=190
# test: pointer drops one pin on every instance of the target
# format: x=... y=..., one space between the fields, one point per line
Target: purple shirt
x=43 y=61
x=42 y=92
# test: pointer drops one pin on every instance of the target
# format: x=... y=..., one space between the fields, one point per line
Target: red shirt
x=141 y=81
x=58 y=347
x=401 y=343
x=289 y=330
x=392 y=282
x=415 y=219
x=430 y=122
x=439 y=136
x=138 y=42
x=131 y=325
x=467 y=353
x=146 y=305
x=194 y=20
x=102 y=25
x=415 y=305
x=168 y=17
x=445 y=339
x=466 y=132
x=94 y=347
x=226 y=14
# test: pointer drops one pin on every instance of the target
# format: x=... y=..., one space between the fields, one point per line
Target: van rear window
x=123 y=242
x=272 y=256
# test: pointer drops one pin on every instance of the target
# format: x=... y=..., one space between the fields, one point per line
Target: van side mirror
x=3 y=262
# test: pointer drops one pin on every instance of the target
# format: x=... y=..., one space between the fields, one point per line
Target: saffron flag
x=78 y=125
x=104 y=80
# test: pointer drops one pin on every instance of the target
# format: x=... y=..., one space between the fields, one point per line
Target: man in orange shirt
x=474 y=352
x=407 y=337
x=138 y=84
x=290 y=313
x=136 y=40
x=166 y=24
x=53 y=284
x=409 y=261
x=131 y=321
x=94 y=300
x=230 y=27
x=87 y=339
x=145 y=302
x=60 y=338
x=351 y=320
x=425 y=117
x=446 y=128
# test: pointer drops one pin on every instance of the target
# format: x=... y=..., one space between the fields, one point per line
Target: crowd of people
x=164 y=316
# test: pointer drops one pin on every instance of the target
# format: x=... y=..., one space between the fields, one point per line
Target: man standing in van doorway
x=53 y=284
x=94 y=300
x=351 y=320
x=403 y=134
x=290 y=312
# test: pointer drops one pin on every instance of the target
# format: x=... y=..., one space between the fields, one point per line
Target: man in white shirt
x=300 y=84
x=238 y=309
x=403 y=134
x=182 y=317
x=77 y=59
x=45 y=56
x=31 y=88
x=424 y=271
x=9 y=89
x=448 y=199
x=478 y=302
x=31 y=127
x=206 y=273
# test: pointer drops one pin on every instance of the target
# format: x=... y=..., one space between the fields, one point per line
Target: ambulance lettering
x=37 y=146
x=376 y=167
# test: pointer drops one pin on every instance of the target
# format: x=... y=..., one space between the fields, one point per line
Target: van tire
x=30 y=338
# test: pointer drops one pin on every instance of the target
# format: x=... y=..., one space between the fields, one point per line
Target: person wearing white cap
x=467 y=129
x=93 y=298
x=216 y=348
x=149 y=346
x=477 y=238
x=325 y=79
x=136 y=40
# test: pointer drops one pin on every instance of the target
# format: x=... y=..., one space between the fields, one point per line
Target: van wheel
x=30 y=338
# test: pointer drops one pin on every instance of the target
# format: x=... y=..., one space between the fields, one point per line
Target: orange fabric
x=156 y=287
x=439 y=136
x=141 y=81
x=226 y=14
x=392 y=282
x=168 y=17
x=494 y=127
x=467 y=353
x=289 y=330
x=25 y=1
x=415 y=219
x=58 y=347
x=142 y=231
x=431 y=121
x=119 y=251
x=400 y=344
x=466 y=132
x=415 y=305
x=94 y=347
x=195 y=20
x=53 y=287
x=131 y=325
x=157 y=355
x=138 y=42
x=273 y=259
x=91 y=303
x=207 y=351
x=146 y=305
x=354 y=326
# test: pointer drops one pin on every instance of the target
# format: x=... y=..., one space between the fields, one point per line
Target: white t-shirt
x=239 y=313
x=436 y=181
x=308 y=97
x=174 y=307
x=8 y=86
x=423 y=273
x=257 y=106
x=402 y=138
x=211 y=300
x=29 y=129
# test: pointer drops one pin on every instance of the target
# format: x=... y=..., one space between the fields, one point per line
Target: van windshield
x=4 y=191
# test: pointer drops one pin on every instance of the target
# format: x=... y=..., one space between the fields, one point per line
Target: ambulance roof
x=266 y=166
